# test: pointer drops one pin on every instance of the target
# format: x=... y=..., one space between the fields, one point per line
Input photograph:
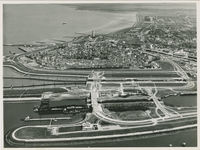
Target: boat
x=59 y=103
x=64 y=23
x=184 y=144
x=12 y=52
x=27 y=118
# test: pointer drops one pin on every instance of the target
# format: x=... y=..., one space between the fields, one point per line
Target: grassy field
x=153 y=113
x=129 y=111
x=103 y=123
x=70 y=129
x=163 y=92
x=160 y=113
x=132 y=115
x=129 y=106
x=92 y=119
x=165 y=65
x=31 y=133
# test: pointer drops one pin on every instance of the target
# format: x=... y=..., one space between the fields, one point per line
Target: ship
x=59 y=103
x=12 y=52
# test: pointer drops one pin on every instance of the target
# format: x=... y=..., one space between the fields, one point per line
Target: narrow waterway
x=10 y=72
x=13 y=112
x=184 y=101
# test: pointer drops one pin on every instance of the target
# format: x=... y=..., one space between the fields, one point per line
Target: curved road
x=98 y=112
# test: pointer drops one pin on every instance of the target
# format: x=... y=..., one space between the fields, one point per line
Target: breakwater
x=188 y=93
x=113 y=138
x=181 y=94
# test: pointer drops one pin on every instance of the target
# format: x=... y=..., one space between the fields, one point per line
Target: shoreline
x=76 y=37
x=61 y=143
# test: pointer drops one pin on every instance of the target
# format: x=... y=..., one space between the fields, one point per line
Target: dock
x=188 y=93
x=23 y=49
x=26 y=119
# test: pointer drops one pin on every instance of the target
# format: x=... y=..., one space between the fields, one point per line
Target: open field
x=70 y=129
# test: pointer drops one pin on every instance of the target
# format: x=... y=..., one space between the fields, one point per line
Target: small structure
x=46 y=95
x=148 y=18
x=87 y=126
x=181 y=53
x=184 y=144
x=97 y=58
x=93 y=33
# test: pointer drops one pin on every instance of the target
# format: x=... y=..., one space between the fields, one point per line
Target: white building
x=87 y=126
x=181 y=53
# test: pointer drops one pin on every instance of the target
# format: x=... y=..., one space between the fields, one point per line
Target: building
x=148 y=18
x=87 y=126
x=181 y=53
x=93 y=33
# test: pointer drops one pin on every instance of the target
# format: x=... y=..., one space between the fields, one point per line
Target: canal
x=182 y=101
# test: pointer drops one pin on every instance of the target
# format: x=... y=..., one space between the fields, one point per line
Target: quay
x=189 y=93
x=28 y=118
x=23 y=49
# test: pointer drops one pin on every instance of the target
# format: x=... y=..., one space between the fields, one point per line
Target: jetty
x=28 y=118
x=188 y=93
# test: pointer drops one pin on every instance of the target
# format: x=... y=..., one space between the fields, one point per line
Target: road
x=158 y=104
x=97 y=108
x=13 y=62
x=169 y=114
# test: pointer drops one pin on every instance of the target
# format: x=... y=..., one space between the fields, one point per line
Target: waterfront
x=13 y=113
x=160 y=141
x=35 y=25
x=10 y=72
x=8 y=49
x=41 y=24
x=12 y=119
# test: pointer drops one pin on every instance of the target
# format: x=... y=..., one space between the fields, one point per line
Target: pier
x=188 y=93
x=28 y=118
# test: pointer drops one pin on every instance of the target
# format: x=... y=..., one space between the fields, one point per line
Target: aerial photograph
x=99 y=75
